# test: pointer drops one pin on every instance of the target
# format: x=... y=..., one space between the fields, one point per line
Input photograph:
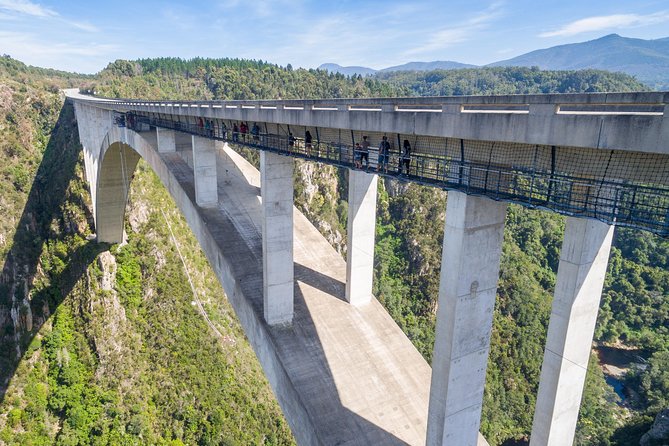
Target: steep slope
x=648 y=60
x=102 y=345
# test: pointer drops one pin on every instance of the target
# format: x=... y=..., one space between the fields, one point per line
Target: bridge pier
x=583 y=261
x=473 y=235
x=276 y=185
x=204 y=170
x=361 y=229
x=166 y=140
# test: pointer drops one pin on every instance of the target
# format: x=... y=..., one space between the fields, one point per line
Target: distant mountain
x=648 y=60
x=410 y=66
x=429 y=66
x=348 y=71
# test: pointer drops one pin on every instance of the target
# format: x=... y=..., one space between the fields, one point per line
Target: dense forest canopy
x=634 y=312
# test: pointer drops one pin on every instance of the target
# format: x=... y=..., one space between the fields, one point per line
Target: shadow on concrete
x=329 y=285
x=309 y=395
x=23 y=311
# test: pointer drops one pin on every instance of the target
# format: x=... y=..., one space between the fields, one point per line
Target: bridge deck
x=356 y=373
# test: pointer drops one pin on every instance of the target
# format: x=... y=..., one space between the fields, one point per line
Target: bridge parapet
x=621 y=121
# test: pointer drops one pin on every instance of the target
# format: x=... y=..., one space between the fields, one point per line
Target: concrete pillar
x=473 y=235
x=583 y=260
x=166 y=140
x=360 y=241
x=276 y=184
x=204 y=171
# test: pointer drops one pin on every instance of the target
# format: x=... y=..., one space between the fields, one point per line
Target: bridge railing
x=621 y=203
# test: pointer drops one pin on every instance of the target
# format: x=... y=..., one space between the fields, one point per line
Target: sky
x=84 y=36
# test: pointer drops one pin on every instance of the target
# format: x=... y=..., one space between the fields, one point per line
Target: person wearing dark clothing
x=255 y=131
x=224 y=130
x=235 y=132
x=405 y=157
x=291 y=141
x=244 y=129
x=384 y=154
x=364 y=152
x=357 y=155
x=307 y=142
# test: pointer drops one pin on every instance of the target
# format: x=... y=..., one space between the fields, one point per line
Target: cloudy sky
x=83 y=36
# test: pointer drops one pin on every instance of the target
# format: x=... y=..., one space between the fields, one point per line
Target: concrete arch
x=115 y=171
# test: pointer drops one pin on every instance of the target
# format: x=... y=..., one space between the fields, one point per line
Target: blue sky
x=83 y=36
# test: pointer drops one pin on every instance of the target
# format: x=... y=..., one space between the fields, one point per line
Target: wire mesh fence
x=618 y=187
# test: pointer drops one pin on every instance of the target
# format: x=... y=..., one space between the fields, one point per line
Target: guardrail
x=625 y=104
x=642 y=206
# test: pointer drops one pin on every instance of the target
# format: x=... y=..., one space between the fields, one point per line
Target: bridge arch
x=118 y=161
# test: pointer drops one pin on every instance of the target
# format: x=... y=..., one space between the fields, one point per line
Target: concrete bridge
x=342 y=371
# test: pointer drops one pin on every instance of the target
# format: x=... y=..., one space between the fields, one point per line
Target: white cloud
x=13 y=9
x=26 y=7
x=599 y=23
x=445 y=37
x=84 y=26
x=85 y=58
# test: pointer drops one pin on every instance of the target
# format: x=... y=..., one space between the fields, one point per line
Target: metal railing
x=623 y=203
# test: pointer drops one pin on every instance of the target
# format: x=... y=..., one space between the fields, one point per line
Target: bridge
x=342 y=371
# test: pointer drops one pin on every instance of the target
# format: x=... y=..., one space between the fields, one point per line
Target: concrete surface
x=204 y=165
x=276 y=184
x=627 y=121
x=473 y=235
x=361 y=229
x=342 y=374
x=166 y=140
x=578 y=289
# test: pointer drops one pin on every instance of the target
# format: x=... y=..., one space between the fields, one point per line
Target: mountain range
x=647 y=60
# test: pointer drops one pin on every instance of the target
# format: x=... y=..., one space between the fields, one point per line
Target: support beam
x=204 y=170
x=276 y=183
x=360 y=241
x=473 y=235
x=583 y=260
x=166 y=140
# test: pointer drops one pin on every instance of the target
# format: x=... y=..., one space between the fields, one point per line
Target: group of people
x=241 y=129
x=361 y=154
x=361 y=149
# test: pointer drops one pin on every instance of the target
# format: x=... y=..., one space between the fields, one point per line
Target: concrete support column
x=204 y=171
x=166 y=140
x=583 y=260
x=276 y=184
x=473 y=235
x=360 y=241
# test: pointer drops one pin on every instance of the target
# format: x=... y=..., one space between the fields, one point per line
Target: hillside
x=101 y=344
x=126 y=357
x=647 y=60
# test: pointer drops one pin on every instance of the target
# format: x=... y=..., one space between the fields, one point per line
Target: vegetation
x=115 y=363
x=101 y=344
x=508 y=80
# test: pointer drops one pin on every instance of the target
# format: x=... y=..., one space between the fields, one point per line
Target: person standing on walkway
x=307 y=142
x=235 y=132
x=384 y=154
x=405 y=157
x=364 y=152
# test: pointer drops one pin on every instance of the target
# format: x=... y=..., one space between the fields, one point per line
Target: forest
x=83 y=384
